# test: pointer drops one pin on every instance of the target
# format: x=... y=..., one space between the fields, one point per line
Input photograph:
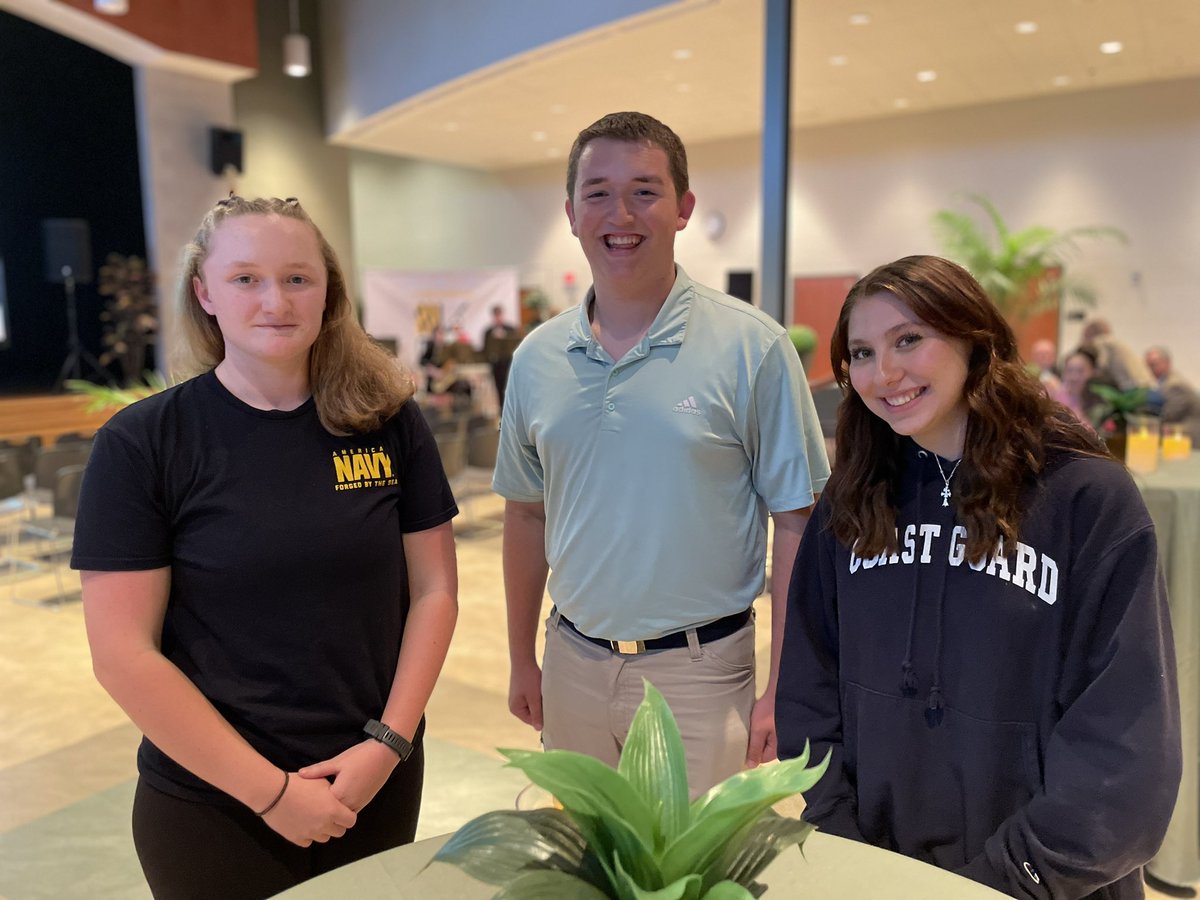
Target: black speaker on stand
x=68 y=249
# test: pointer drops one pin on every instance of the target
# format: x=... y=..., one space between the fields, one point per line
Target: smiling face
x=264 y=280
x=626 y=214
x=1077 y=372
x=909 y=374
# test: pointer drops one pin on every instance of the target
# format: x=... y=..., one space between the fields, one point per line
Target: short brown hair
x=633 y=128
x=355 y=385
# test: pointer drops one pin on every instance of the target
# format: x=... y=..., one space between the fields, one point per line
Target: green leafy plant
x=1024 y=272
x=1115 y=406
x=102 y=396
x=804 y=339
x=630 y=833
x=131 y=314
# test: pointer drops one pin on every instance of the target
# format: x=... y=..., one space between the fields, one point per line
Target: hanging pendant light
x=297 y=56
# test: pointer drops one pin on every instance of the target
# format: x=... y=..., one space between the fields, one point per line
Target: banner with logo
x=407 y=307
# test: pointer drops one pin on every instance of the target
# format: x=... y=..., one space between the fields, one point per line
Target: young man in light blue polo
x=646 y=435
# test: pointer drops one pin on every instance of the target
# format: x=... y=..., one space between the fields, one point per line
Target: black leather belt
x=713 y=631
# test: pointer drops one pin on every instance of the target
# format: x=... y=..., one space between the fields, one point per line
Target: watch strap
x=380 y=732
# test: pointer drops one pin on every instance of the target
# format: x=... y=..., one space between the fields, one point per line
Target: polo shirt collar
x=667 y=328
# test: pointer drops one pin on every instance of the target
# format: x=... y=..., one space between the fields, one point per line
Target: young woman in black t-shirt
x=269 y=577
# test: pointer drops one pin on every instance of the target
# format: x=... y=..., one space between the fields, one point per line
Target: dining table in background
x=1172 y=495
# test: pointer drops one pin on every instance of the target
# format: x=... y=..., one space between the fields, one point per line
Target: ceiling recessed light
x=927 y=75
x=860 y=19
x=1111 y=47
x=1061 y=80
x=682 y=53
x=840 y=60
x=1026 y=27
x=683 y=87
x=538 y=135
x=558 y=108
x=900 y=103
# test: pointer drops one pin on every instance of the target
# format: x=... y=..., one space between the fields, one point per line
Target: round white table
x=830 y=868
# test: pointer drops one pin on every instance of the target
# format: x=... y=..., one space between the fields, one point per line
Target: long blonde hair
x=356 y=386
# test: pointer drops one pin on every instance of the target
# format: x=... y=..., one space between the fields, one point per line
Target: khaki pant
x=589 y=696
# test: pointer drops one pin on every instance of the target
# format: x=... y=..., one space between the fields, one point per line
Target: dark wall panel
x=68 y=150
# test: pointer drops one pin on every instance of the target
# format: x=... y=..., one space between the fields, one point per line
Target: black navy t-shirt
x=289 y=585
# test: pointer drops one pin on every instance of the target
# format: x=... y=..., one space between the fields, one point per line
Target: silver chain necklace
x=945 y=478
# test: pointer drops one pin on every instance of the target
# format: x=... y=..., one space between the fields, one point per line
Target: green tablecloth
x=1172 y=495
x=831 y=868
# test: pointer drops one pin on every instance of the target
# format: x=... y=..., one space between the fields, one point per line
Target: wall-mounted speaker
x=68 y=245
x=225 y=150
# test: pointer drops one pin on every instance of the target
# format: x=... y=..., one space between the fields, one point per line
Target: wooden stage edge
x=47 y=416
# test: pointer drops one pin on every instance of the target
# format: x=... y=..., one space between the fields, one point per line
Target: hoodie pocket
x=938 y=793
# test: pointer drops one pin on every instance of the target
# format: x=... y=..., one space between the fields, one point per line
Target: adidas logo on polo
x=687 y=406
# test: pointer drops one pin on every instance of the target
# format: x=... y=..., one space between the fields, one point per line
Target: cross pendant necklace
x=946 y=479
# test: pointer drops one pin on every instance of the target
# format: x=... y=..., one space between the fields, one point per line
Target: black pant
x=199 y=851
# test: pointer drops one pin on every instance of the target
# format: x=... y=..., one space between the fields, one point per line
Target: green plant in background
x=804 y=339
x=1115 y=406
x=1024 y=272
x=630 y=833
x=131 y=314
x=102 y=396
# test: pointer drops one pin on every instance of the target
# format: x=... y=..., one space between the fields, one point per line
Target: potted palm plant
x=629 y=833
x=1023 y=271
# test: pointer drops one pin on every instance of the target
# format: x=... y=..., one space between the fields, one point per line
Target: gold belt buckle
x=629 y=647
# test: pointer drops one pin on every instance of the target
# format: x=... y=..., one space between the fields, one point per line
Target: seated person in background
x=977 y=629
x=1079 y=370
x=1115 y=361
x=446 y=382
x=1180 y=403
x=1044 y=355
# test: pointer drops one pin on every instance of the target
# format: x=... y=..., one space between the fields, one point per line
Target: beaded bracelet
x=278 y=797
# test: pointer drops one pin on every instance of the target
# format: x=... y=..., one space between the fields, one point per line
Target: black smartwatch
x=380 y=732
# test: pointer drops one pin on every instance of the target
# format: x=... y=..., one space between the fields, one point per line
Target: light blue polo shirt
x=657 y=471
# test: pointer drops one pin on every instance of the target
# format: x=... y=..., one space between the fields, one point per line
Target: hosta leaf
x=612 y=816
x=728 y=890
x=730 y=808
x=686 y=887
x=655 y=764
x=546 y=885
x=499 y=846
x=741 y=862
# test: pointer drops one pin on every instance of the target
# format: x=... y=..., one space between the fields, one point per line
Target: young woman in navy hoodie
x=977 y=627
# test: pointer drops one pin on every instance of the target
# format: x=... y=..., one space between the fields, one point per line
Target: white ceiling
x=527 y=110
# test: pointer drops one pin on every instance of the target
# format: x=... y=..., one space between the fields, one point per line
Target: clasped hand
x=325 y=800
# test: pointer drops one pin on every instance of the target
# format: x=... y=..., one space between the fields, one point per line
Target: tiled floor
x=67 y=751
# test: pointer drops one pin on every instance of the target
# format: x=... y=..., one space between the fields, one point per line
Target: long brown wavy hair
x=356 y=386
x=1011 y=422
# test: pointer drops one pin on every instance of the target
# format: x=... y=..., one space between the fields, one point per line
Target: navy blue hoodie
x=1017 y=721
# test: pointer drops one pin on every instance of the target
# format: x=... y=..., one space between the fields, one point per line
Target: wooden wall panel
x=816 y=302
x=223 y=30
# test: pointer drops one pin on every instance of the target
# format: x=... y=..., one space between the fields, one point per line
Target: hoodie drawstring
x=908 y=679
